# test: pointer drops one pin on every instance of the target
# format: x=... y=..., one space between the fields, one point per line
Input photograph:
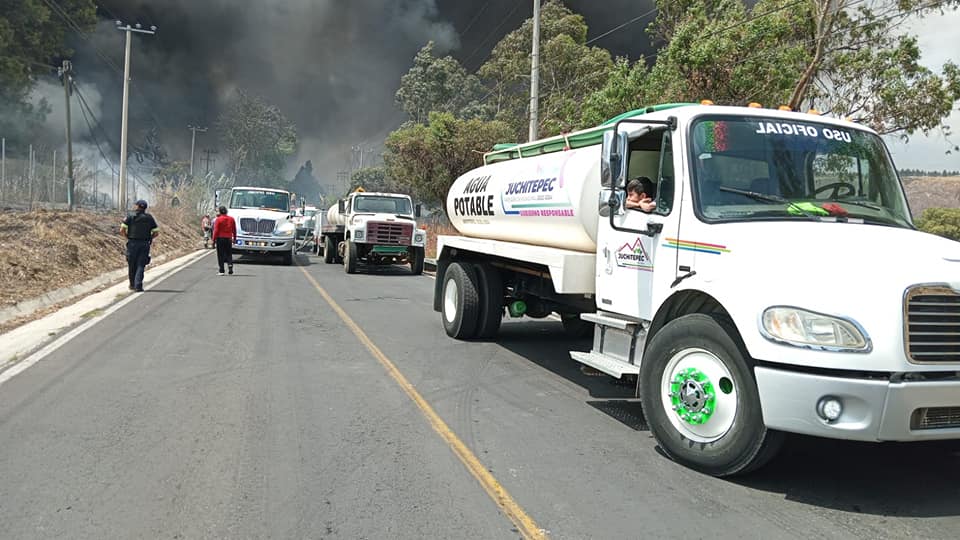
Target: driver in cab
x=640 y=194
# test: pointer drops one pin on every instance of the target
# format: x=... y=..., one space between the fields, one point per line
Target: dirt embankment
x=45 y=250
x=932 y=192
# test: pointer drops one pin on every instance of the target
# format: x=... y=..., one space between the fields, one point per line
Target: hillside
x=932 y=192
x=44 y=250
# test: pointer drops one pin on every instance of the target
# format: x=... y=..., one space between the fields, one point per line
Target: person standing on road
x=224 y=236
x=139 y=229
x=206 y=226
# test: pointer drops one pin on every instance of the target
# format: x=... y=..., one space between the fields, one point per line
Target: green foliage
x=440 y=84
x=623 y=91
x=376 y=179
x=258 y=140
x=944 y=222
x=722 y=51
x=844 y=58
x=569 y=72
x=428 y=158
x=32 y=37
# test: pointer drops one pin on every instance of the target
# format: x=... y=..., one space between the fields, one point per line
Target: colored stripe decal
x=541 y=205
x=692 y=245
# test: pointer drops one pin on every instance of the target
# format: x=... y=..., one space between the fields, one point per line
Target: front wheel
x=416 y=260
x=461 y=301
x=700 y=397
x=329 y=250
x=287 y=258
x=350 y=257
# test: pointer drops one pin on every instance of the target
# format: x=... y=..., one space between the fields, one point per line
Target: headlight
x=418 y=238
x=287 y=229
x=358 y=234
x=804 y=328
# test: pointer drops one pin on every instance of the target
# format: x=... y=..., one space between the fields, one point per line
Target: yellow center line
x=524 y=523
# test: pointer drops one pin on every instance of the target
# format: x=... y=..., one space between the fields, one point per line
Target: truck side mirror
x=612 y=160
x=417 y=210
x=342 y=206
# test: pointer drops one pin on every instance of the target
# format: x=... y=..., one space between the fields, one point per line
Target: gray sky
x=939 y=39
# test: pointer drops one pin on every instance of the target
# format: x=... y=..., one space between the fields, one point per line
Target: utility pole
x=53 y=182
x=30 y=178
x=130 y=30
x=3 y=167
x=535 y=73
x=208 y=159
x=65 y=74
x=193 y=143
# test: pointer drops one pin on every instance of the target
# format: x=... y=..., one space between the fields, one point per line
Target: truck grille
x=388 y=233
x=935 y=418
x=933 y=324
x=256 y=226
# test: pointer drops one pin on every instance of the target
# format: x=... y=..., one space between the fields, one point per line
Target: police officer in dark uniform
x=139 y=229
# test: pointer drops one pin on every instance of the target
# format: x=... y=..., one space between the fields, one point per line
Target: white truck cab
x=264 y=225
x=374 y=228
x=778 y=286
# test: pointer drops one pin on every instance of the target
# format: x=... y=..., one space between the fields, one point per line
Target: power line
x=622 y=26
x=84 y=110
x=475 y=18
x=55 y=7
x=492 y=32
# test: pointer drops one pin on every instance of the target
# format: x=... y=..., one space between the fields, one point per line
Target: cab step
x=609 y=365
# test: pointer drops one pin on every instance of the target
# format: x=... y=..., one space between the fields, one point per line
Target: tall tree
x=439 y=84
x=843 y=57
x=258 y=140
x=377 y=179
x=569 y=71
x=32 y=41
x=424 y=160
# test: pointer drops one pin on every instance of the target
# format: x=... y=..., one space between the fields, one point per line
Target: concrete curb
x=24 y=340
x=26 y=308
x=430 y=264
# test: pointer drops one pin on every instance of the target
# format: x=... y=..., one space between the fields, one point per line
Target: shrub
x=944 y=222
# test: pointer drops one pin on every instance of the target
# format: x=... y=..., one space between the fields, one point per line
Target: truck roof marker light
x=754 y=105
x=784 y=108
x=814 y=111
x=706 y=102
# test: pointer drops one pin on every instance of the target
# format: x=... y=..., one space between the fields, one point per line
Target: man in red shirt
x=224 y=236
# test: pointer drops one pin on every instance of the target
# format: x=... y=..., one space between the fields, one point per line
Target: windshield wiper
x=860 y=203
x=766 y=197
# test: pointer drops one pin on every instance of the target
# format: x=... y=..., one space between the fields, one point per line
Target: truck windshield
x=382 y=205
x=254 y=198
x=768 y=168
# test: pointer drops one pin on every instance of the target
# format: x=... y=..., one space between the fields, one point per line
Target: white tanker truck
x=373 y=228
x=778 y=286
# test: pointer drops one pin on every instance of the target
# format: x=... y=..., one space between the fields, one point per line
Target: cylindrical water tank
x=333 y=216
x=549 y=200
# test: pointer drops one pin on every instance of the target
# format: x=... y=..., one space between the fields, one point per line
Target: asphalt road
x=244 y=407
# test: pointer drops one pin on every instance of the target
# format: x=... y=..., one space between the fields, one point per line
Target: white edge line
x=29 y=361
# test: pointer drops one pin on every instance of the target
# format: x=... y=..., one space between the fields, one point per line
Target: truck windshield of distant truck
x=266 y=200
x=749 y=168
x=382 y=205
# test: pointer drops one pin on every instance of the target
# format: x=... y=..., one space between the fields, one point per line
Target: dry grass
x=932 y=192
x=45 y=250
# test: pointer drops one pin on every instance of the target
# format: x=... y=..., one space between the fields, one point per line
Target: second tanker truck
x=373 y=229
x=778 y=286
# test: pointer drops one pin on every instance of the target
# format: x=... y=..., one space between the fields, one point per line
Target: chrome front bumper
x=262 y=244
x=873 y=409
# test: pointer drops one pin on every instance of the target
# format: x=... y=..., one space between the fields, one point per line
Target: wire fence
x=36 y=177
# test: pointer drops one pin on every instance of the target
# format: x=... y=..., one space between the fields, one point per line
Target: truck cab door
x=629 y=258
